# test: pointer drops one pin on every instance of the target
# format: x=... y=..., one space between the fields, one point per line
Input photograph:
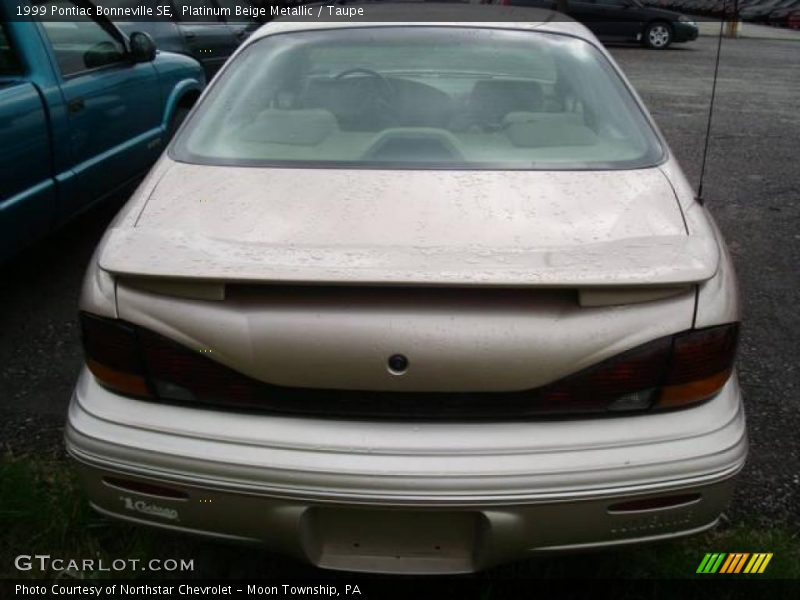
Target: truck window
x=81 y=44
x=9 y=63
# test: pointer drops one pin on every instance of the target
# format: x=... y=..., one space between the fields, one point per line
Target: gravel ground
x=752 y=188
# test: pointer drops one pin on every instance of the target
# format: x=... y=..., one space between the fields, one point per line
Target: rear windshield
x=420 y=97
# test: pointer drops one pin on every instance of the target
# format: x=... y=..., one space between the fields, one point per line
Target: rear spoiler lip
x=197 y=289
x=658 y=261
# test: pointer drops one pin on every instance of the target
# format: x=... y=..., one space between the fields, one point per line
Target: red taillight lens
x=669 y=372
x=178 y=373
x=137 y=362
x=626 y=382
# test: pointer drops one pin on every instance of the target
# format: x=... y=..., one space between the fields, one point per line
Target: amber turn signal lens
x=112 y=355
x=702 y=362
x=124 y=383
x=694 y=391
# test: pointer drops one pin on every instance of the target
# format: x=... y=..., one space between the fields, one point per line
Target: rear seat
x=547 y=129
x=492 y=99
x=302 y=127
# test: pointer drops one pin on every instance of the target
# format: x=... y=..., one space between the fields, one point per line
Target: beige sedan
x=413 y=297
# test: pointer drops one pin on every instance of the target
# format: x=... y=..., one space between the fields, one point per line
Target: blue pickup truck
x=84 y=111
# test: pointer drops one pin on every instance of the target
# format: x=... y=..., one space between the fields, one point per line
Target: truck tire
x=177 y=118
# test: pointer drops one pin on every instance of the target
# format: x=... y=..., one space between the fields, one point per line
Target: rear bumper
x=407 y=497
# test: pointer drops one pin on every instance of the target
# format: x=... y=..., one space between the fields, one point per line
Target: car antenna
x=700 y=198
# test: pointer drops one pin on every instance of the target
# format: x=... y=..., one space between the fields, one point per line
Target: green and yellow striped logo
x=736 y=562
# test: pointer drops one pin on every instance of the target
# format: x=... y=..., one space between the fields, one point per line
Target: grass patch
x=44 y=511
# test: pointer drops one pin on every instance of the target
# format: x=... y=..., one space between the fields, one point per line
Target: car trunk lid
x=412 y=228
x=470 y=275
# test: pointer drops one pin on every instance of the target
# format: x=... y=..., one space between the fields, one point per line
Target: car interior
x=391 y=118
x=387 y=110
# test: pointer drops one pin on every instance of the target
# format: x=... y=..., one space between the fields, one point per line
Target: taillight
x=702 y=362
x=629 y=381
x=112 y=355
x=669 y=372
x=136 y=362
x=178 y=373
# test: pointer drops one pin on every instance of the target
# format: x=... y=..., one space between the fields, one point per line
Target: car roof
x=425 y=13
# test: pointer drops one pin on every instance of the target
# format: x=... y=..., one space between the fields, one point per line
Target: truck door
x=114 y=106
x=207 y=37
x=27 y=187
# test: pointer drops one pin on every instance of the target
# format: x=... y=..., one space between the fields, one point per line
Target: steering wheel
x=382 y=99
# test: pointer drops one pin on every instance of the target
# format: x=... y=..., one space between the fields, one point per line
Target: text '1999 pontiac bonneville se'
x=416 y=297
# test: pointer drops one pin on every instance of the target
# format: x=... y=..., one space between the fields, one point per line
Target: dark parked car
x=711 y=8
x=780 y=17
x=625 y=21
x=759 y=13
x=209 y=39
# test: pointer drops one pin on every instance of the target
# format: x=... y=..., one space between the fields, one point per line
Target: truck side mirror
x=142 y=47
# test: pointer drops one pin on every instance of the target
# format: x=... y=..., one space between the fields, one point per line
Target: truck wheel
x=177 y=118
x=657 y=35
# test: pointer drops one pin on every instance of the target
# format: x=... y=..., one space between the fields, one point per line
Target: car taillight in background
x=670 y=372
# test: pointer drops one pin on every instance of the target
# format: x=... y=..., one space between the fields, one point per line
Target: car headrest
x=493 y=99
x=547 y=130
x=339 y=96
x=305 y=127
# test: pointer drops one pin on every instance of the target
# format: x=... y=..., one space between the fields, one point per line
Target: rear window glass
x=420 y=97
